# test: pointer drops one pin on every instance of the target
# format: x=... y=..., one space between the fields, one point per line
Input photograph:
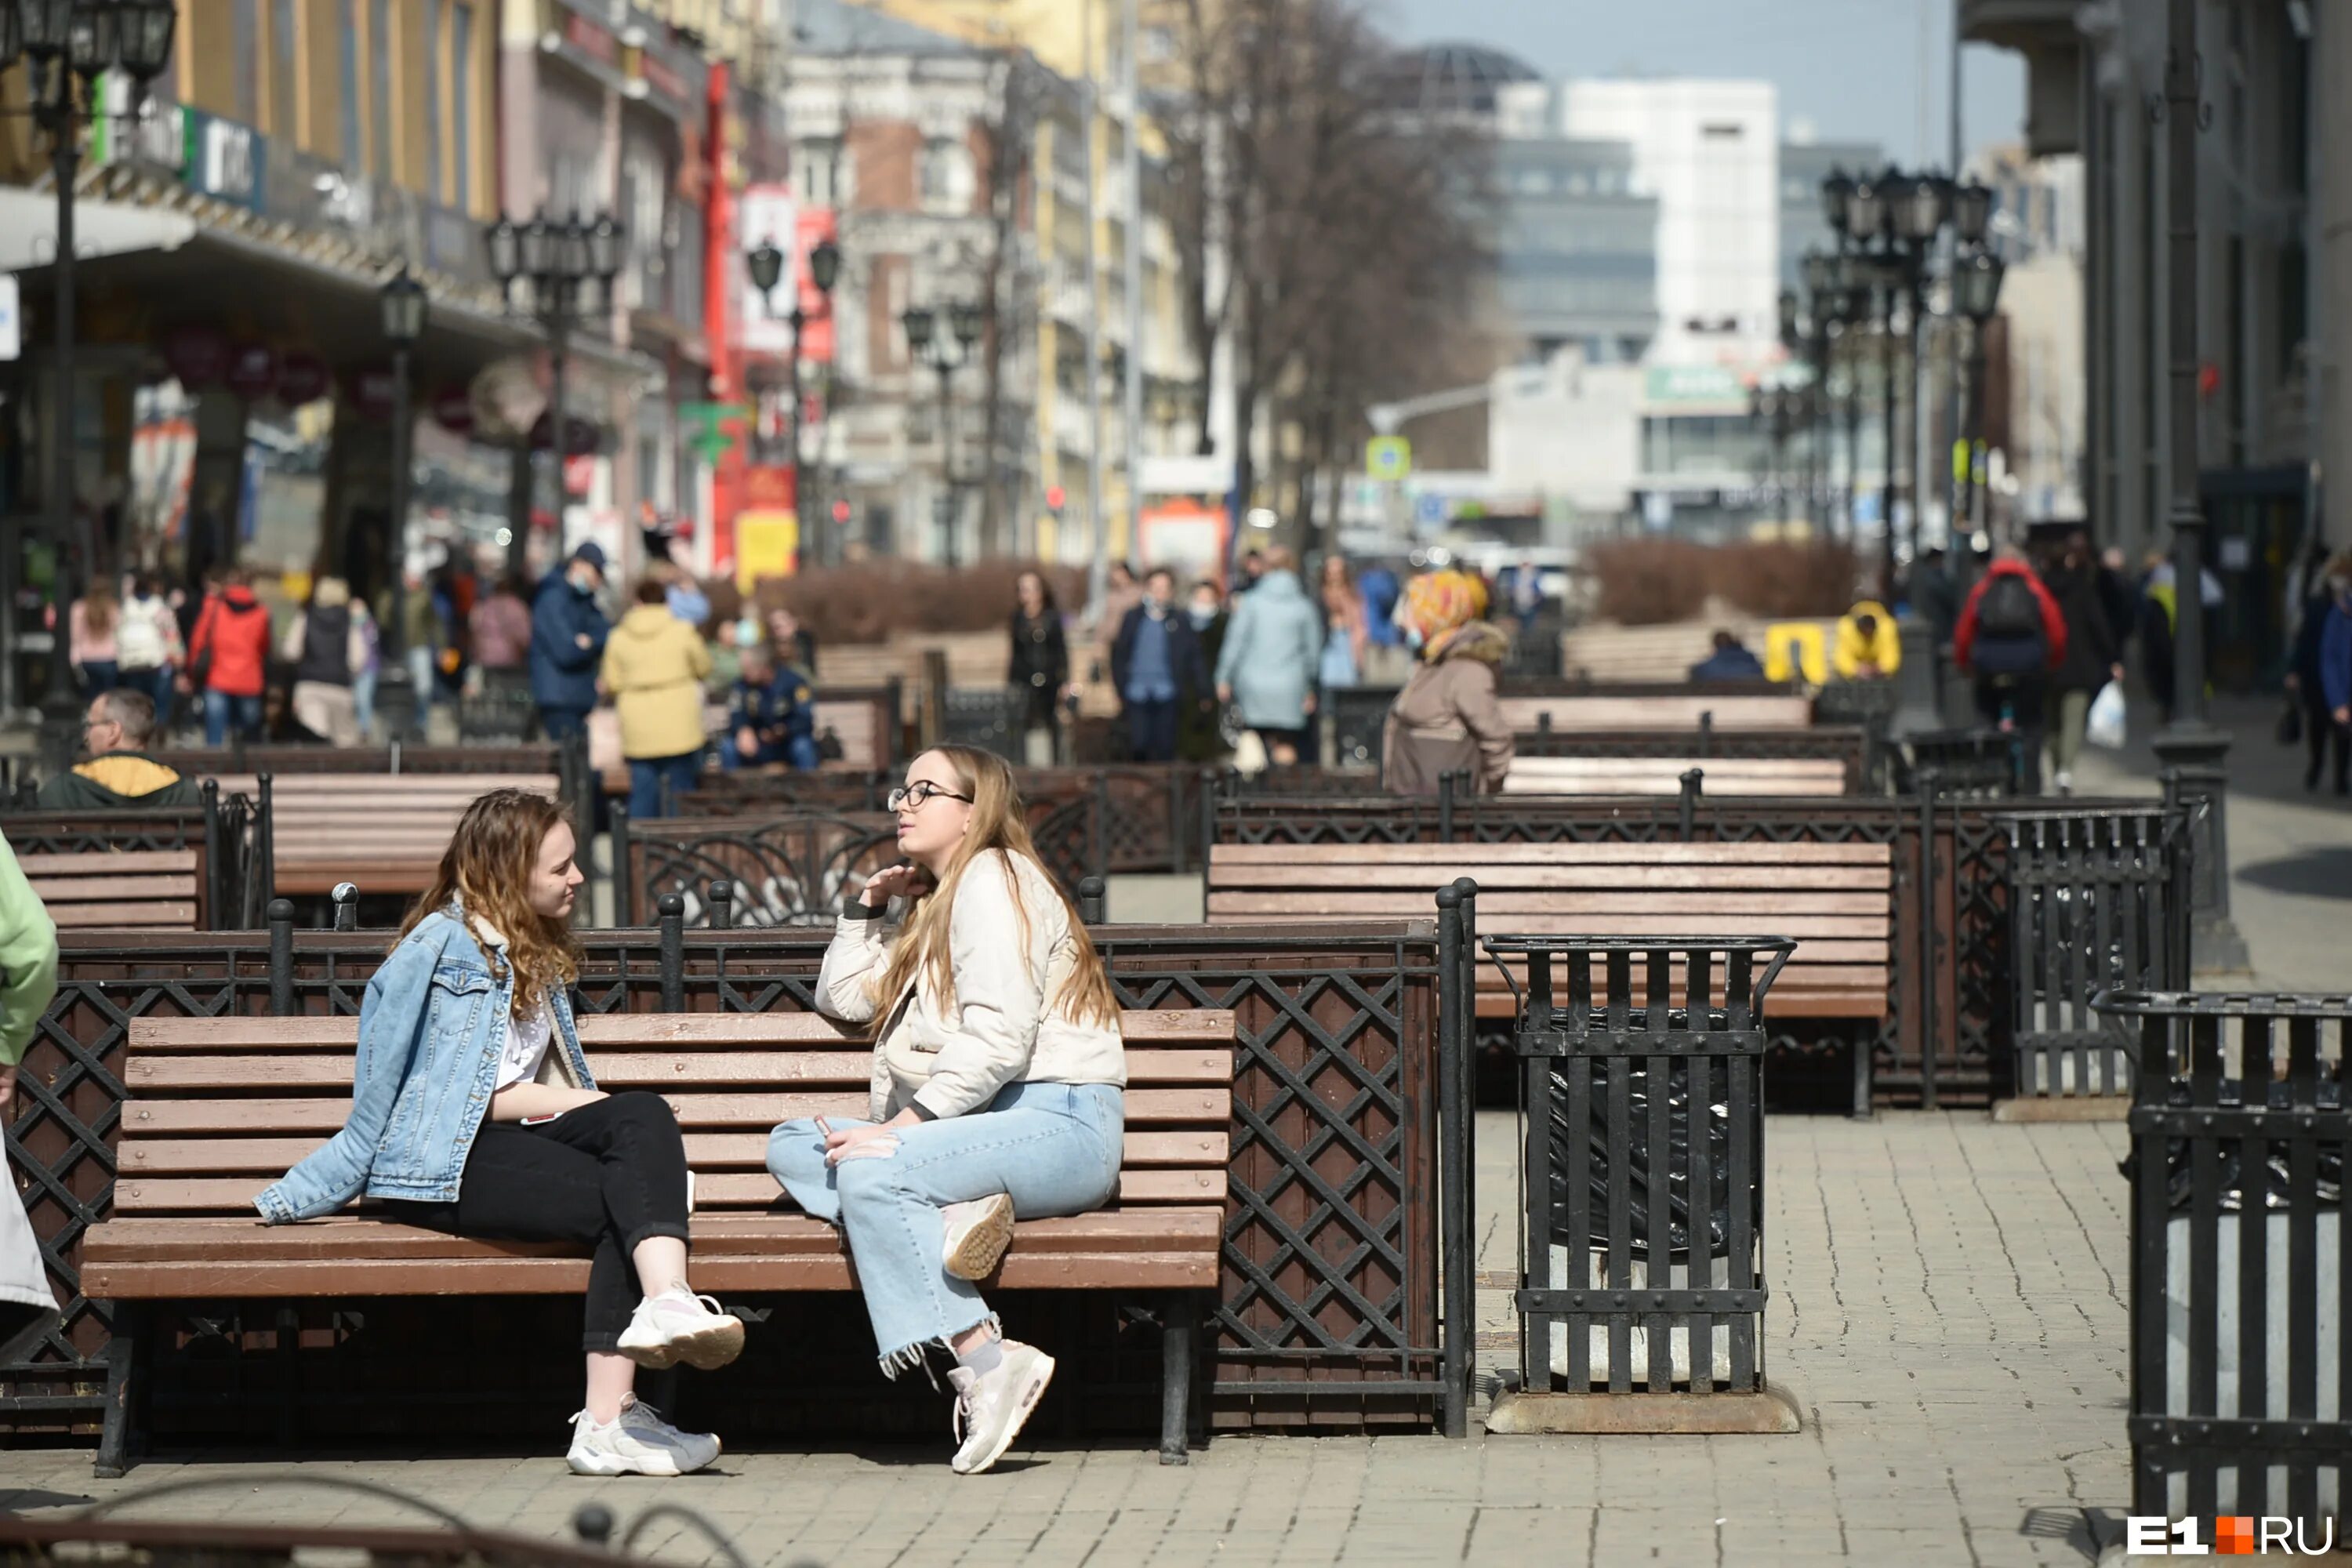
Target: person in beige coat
x=655 y=665
x=1447 y=718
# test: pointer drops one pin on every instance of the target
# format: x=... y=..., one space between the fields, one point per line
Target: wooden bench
x=1836 y=899
x=1673 y=708
x=385 y=832
x=1747 y=777
x=149 y=890
x=218 y=1108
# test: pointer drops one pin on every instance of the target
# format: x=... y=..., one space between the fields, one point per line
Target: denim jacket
x=432 y=1028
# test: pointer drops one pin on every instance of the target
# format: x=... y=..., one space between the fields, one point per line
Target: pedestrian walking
x=1267 y=669
x=500 y=626
x=474 y=1114
x=229 y=658
x=568 y=633
x=2336 y=670
x=147 y=646
x=1121 y=592
x=2093 y=658
x=2307 y=683
x=1934 y=595
x=1387 y=661
x=327 y=650
x=1039 y=667
x=1448 y=718
x=365 y=679
x=1344 y=637
x=1157 y=668
x=1199 y=736
x=653 y=666
x=998 y=1088
x=2009 y=640
x=90 y=625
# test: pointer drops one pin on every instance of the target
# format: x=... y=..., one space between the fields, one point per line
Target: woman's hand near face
x=894 y=882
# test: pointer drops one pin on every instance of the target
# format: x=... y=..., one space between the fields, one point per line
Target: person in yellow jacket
x=1868 y=646
x=655 y=665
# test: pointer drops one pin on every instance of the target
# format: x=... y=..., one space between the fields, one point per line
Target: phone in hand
x=538 y=1120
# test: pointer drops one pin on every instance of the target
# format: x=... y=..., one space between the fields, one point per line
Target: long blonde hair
x=997 y=824
x=486 y=872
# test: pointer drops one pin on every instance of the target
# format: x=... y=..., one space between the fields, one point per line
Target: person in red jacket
x=2011 y=637
x=230 y=645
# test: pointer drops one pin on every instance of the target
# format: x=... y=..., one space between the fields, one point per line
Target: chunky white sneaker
x=675 y=1327
x=978 y=1234
x=990 y=1410
x=640 y=1442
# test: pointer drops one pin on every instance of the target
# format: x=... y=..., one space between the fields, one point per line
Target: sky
x=1851 y=67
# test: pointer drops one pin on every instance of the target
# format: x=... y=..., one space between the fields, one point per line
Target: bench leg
x=1864 y=1073
x=121 y=1390
x=1177 y=1333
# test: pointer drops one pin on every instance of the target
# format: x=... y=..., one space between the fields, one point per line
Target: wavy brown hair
x=999 y=823
x=486 y=870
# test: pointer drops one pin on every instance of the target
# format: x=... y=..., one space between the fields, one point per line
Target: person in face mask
x=1156 y=667
x=568 y=630
x=1199 y=738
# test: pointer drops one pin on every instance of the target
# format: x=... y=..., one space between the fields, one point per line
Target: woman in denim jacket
x=998 y=1085
x=473 y=1113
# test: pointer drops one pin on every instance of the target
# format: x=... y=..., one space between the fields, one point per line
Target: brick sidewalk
x=1947 y=1312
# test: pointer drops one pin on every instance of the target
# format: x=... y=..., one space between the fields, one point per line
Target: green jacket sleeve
x=28 y=959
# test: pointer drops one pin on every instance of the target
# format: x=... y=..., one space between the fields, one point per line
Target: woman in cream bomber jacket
x=997 y=1089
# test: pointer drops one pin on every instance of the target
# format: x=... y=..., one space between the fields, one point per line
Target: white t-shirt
x=526 y=1046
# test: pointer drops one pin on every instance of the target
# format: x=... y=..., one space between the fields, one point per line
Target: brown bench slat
x=1763 y=710
x=1142 y=1026
x=269 y=1157
x=1704 y=855
x=86 y=889
x=108 y=863
x=100 y=917
x=1596 y=901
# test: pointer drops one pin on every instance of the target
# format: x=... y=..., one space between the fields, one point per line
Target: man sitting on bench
x=116 y=731
x=474 y=1114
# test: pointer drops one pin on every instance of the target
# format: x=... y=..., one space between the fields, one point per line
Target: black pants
x=605 y=1176
x=1151 y=730
x=2327 y=740
x=2026 y=697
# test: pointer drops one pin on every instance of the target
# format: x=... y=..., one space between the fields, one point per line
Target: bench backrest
x=157 y=890
x=218 y=1108
x=1669 y=711
x=1835 y=900
x=386 y=833
x=1745 y=776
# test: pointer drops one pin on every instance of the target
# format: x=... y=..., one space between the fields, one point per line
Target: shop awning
x=29 y=228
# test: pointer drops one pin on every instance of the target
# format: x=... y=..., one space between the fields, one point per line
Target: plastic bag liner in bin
x=2180 y=1183
x=1637 y=1158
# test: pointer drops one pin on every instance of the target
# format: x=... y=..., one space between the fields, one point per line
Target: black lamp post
x=945 y=352
x=766 y=263
x=1976 y=294
x=564 y=271
x=67 y=45
x=2194 y=753
x=403 y=301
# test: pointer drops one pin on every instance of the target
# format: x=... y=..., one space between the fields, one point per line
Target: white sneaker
x=640 y=1442
x=978 y=1234
x=990 y=1410
x=675 y=1327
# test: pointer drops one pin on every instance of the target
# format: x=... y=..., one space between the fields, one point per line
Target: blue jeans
x=219 y=709
x=1052 y=1147
x=363 y=701
x=648 y=774
x=1151 y=729
x=561 y=724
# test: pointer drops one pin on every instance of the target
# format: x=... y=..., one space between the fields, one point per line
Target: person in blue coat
x=1266 y=668
x=2336 y=669
x=567 y=643
x=771 y=717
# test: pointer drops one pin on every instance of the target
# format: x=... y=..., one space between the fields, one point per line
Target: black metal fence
x=1330 y=1310
x=1641 y=1241
x=230 y=834
x=2240 y=1357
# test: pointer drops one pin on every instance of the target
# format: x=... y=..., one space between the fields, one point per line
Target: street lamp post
x=945 y=352
x=566 y=267
x=65 y=43
x=766 y=263
x=1976 y=295
x=403 y=301
x=2194 y=753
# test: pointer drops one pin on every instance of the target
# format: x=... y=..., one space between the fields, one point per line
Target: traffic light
x=1054 y=496
x=841 y=513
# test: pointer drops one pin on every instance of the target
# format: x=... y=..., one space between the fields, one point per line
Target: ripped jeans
x=1054 y=1148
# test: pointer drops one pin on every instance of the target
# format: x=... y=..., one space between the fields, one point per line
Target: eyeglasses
x=920 y=795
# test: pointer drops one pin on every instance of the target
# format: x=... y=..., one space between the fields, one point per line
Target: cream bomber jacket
x=1000 y=1031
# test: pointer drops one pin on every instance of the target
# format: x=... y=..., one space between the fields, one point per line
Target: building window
x=285 y=57
x=1720 y=131
x=380 y=89
x=461 y=105
x=246 y=23
x=947 y=176
x=820 y=172
x=433 y=99
x=347 y=46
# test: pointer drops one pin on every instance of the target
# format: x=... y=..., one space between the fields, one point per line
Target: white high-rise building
x=1708 y=152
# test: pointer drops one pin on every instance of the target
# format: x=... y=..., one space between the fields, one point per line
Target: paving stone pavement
x=1947 y=1312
